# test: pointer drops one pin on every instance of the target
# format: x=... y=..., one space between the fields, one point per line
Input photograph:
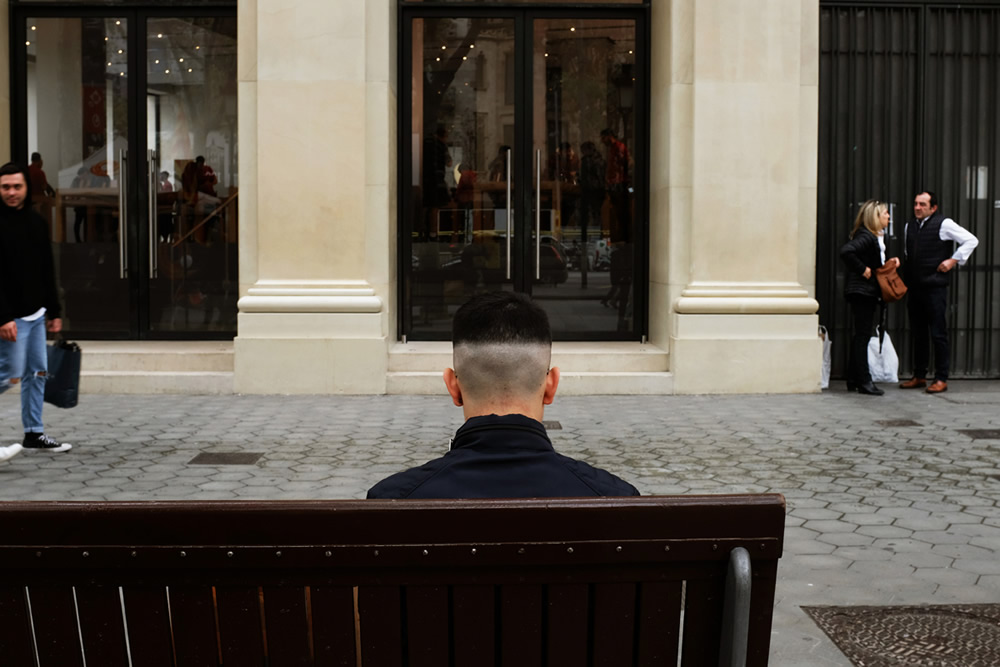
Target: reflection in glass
x=463 y=131
x=191 y=131
x=77 y=82
x=573 y=249
x=584 y=92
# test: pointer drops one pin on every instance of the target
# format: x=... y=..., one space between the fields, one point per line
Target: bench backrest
x=607 y=581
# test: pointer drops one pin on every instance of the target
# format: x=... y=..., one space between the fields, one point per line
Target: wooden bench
x=606 y=581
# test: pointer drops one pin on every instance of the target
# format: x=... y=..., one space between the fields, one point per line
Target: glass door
x=191 y=175
x=130 y=121
x=584 y=237
x=77 y=121
x=522 y=169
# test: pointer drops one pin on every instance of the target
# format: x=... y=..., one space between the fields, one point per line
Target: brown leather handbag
x=892 y=285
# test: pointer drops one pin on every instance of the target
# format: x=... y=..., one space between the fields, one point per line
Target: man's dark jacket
x=27 y=275
x=502 y=457
x=924 y=253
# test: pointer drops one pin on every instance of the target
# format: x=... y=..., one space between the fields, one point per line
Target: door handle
x=153 y=182
x=538 y=214
x=509 y=212
x=122 y=212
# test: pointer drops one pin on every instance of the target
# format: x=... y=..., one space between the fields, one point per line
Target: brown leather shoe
x=937 y=387
x=913 y=383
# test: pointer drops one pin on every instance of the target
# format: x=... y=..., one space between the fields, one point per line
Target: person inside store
x=931 y=256
x=502 y=380
x=863 y=254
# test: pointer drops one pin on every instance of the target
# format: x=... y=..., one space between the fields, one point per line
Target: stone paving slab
x=877 y=514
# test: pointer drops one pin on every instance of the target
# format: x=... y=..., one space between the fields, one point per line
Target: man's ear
x=451 y=382
x=551 y=384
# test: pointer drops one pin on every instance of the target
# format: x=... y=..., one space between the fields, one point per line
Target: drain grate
x=896 y=422
x=552 y=426
x=938 y=636
x=226 y=459
x=981 y=433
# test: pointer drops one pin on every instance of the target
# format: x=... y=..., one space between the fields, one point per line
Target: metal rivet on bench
x=230 y=554
x=473 y=552
x=715 y=547
x=569 y=550
x=521 y=550
x=38 y=554
x=134 y=554
x=425 y=552
x=619 y=549
x=86 y=554
x=277 y=554
x=376 y=552
x=666 y=548
x=183 y=554
x=328 y=554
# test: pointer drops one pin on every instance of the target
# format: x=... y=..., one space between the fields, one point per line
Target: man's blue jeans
x=27 y=358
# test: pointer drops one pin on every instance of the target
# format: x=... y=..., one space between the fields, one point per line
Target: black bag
x=62 y=387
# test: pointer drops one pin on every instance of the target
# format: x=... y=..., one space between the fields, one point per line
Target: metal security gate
x=910 y=100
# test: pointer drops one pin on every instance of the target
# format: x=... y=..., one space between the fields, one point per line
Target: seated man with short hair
x=502 y=380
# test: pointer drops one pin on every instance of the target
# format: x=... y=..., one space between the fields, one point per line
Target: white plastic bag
x=824 y=378
x=884 y=365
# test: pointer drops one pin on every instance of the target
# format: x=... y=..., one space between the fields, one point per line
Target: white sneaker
x=7 y=453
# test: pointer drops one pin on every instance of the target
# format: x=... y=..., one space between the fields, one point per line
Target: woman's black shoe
x=870 y=389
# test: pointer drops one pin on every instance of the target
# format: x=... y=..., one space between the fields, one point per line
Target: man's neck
x=512 y=408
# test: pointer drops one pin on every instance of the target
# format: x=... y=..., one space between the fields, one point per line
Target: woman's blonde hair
x=868 y=216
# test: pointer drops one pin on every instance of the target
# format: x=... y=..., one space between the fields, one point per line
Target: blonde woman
x=863 y=253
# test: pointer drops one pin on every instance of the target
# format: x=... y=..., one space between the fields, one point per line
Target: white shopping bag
x=824 y=378
x=884 y=365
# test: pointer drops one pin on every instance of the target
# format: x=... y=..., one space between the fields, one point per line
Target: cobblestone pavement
x=889 y=502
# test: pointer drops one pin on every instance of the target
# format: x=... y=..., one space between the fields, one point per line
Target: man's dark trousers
x=927 y=307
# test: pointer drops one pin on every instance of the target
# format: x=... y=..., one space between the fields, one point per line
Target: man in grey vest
x=931 y=254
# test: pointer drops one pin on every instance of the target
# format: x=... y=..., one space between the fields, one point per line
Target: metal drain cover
x=226 y=459
x=938 y=636
x=896 y=422
x=981 y=433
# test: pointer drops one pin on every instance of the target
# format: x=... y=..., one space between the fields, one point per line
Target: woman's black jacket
x=860 y=252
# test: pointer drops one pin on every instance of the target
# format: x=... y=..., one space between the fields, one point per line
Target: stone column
x=317 y=205
x=742 y=192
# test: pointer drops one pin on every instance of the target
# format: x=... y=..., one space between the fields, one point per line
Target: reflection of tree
x=438 y=76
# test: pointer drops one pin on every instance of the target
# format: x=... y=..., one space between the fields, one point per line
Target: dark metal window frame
x=522 y=15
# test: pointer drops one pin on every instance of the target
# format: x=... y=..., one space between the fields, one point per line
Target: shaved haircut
x=502 y=346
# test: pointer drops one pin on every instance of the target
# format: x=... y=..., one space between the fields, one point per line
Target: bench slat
x=240 y=633
x=614 y=624
x=333 y=625
x=703 y=601
x=54 y=619
x=567 y=621
x=381 y=626
x=520 y=626
x=659 y=623
x=285 y=621
x=427 y=620
x=474 y=612
x=148 y=626
x=193 y=618
x=100 y=612
x=15 y=628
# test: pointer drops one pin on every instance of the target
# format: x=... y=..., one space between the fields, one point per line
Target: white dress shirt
x=952 y=231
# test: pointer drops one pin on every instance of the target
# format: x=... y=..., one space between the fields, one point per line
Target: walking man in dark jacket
x=502 y=381
x=930 y=256
x=29 y=303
